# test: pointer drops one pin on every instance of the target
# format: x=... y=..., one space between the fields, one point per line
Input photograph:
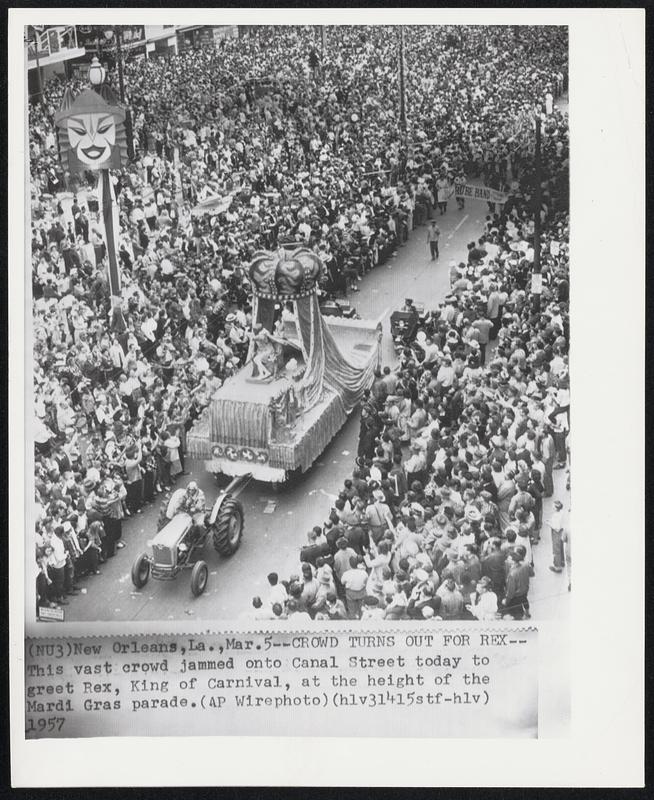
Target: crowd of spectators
x=293 y=146
x=444 y=506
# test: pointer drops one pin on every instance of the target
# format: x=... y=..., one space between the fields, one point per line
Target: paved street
x=272 y=540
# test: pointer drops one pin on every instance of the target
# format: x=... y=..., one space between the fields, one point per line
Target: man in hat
x=556 y=526
x=378 y=516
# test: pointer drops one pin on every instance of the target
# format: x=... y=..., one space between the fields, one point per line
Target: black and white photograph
x=301 y=327
x=298 y=325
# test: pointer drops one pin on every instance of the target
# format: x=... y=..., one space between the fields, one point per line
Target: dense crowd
x=457 y=450
x=305 y=149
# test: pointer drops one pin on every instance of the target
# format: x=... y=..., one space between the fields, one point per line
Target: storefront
x=202 y=36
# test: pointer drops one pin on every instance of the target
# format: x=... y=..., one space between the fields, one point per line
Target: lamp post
x=121 y=84
x=109 y=213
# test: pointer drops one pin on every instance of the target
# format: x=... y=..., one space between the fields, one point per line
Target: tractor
x=180 y=535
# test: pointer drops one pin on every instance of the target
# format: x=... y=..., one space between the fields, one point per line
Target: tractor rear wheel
x=199 y=578
x=228 y=527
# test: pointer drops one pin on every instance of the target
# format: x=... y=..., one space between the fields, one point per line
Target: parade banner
x=485 y=193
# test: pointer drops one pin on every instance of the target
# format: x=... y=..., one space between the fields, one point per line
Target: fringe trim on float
x=304 y=451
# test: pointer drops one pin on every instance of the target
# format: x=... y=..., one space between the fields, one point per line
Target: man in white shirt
x=277 y=592
x=446 y=373
x=354 y=580
x=483 y=604
x=57 y=563
x=149 y=327
x=555 y=524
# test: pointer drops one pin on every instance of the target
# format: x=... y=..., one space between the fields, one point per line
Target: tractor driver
x=193 y=503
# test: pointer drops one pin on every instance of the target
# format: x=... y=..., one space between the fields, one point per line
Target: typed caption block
x=436 y=683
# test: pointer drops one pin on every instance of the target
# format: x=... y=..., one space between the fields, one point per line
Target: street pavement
x=276 y=523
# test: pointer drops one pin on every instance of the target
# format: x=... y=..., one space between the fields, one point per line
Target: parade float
x=303 y=376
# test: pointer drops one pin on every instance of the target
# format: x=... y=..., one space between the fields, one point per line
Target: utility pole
x=39 y=82
x=537 y=281
x=121 y=83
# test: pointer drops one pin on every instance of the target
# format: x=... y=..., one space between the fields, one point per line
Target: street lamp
x=97 y=72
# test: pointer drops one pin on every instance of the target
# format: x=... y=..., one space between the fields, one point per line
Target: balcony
x=51 y=45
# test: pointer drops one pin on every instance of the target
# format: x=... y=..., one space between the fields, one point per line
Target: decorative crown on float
x=285 y=274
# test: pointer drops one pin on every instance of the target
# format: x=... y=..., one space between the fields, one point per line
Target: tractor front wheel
x=199 y=578
x=141 y=571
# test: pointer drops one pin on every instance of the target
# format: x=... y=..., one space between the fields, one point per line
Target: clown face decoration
x=92 y=137
x=91 y=131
